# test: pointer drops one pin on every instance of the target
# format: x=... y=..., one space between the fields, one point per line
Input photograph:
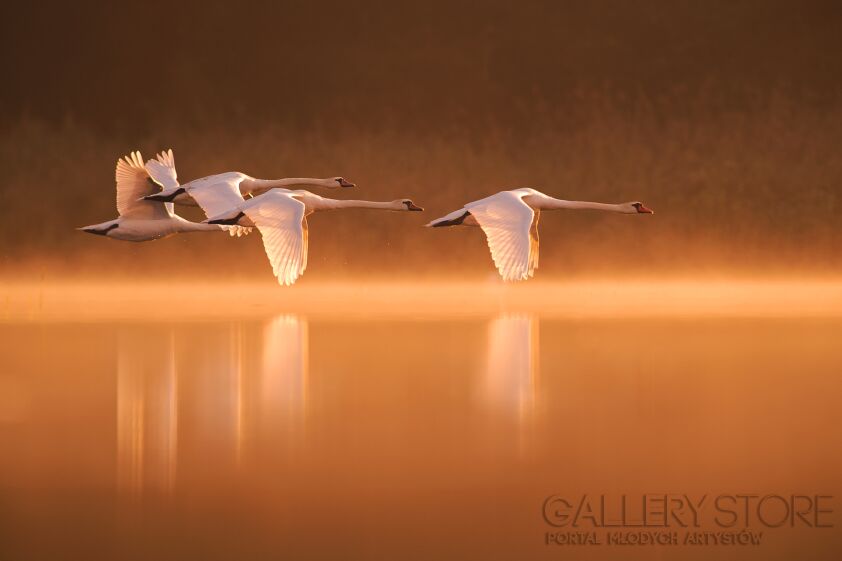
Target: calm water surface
x=294 y=437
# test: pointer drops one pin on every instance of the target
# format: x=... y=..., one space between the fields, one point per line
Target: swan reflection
x=283 y=380
x=236 y=382
x=512 y=365
x=147 y=410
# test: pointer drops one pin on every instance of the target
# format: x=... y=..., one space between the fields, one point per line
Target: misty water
x=320 y=436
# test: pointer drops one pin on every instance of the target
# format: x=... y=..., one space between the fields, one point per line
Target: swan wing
x=217 y=197
x=507 y=221
x=162 y=171
x=533 y=242
x=306 y=244
x=280 y=219
x=133 y=183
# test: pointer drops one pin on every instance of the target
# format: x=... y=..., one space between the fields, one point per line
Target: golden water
x=294 y=431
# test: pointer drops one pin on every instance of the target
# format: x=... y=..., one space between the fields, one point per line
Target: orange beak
x=645 y=210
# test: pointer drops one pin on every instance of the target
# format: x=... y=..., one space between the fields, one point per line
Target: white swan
x=510 y=222
x=217 y=193
x=143 y=220
x=281 y=217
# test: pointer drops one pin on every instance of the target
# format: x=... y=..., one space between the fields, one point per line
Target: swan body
x=281 y=217
x=144 y=220
x=218 y=193
x=510 y=222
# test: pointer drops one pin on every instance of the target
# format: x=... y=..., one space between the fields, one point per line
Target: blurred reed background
x=726 y=118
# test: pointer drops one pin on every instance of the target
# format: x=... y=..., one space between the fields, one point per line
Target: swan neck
x=260 y=186
x=582 y=205
x=351 y=203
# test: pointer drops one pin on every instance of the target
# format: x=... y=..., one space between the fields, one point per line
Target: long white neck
x=550 y=203
x=334 y=204
x=259 y=186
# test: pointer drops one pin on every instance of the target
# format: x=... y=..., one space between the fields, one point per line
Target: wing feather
x=280 y=219
x=132 y=184
x=162 y=170
x=533 y=243
x=507 y=221
x=305 y=248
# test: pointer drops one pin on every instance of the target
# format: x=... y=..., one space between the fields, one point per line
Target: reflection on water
x=283 y=376
x=512 y=364
x=147 y=411
x=399 y=438
x=148 y=396
x=511 y=372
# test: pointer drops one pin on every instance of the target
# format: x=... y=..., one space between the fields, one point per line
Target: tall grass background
x=738 y=188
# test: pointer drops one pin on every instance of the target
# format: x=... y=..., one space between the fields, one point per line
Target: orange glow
x=88 y=301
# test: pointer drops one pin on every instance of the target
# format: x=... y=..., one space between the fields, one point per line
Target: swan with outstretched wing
x=281 y=217
x=510 y=222
x=141 y=219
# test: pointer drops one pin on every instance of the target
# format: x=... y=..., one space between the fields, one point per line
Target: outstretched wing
x=162 y=170
x=133 y=183
x=217 y=197
x=507 y=221
x=281 y=221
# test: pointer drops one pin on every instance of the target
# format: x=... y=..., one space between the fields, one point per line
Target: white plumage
x=217 y=193
x=282 y=222
x=506 y=221
x=133 y=184
x=281 y=217
x=510 y=222
x=142 y=219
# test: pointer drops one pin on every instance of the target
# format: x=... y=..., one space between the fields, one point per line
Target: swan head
x=637 y=208
x=341 y=182
x=406 y=205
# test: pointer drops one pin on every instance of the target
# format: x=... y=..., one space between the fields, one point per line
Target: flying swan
x=510 y=222
x=143 y=220
x=281 y=217
x=217 y=193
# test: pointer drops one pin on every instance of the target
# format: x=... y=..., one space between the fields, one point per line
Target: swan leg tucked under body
x=281 y=217
x=144 y=220
x=510 y=222
x=217 y=193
